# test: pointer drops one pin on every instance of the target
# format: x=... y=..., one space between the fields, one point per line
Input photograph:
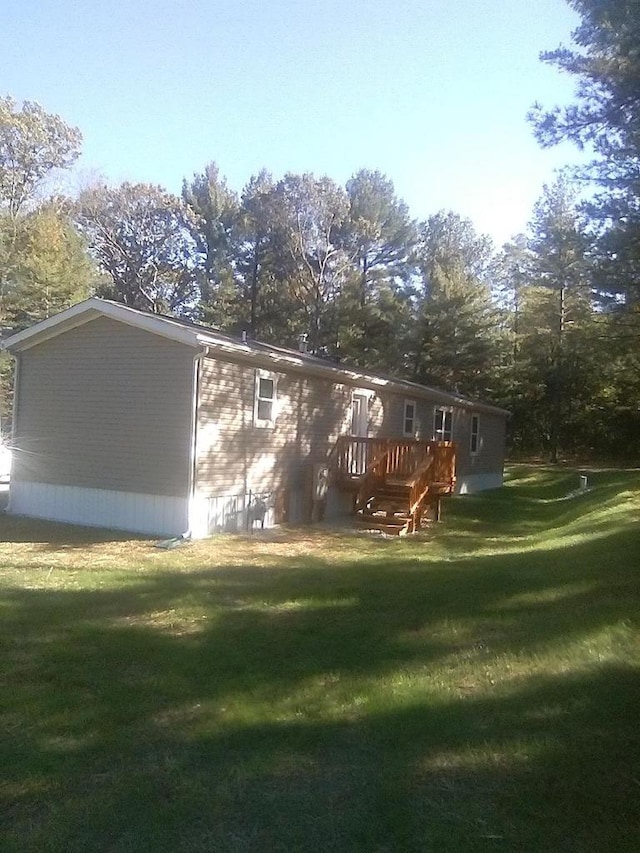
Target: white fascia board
x=90 y=309
x=279 y=361
x=52 y=326
x=162 y=326
x=276 y=359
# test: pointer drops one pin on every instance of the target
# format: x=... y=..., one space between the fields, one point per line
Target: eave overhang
x=221 y=345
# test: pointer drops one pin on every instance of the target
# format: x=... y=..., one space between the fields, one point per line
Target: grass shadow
x=369 y=696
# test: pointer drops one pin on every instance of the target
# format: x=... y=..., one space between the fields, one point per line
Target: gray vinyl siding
x=491 y=450
x=392 y=422
x=387 y=421
x=106 y=406
x=235 y=457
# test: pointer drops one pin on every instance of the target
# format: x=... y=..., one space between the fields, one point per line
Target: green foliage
x=607 y=65
x=264 y=266
x=457 y=333
x=215 y=209
x=553 y=327
x=49 y=268
x=379 y=237
x=380 y=232
x=6 y=389
x=32 y=144
x=144 y=240
x=471 y=691
x=376 y=335
x=456 y=338
x=549 y=328
x=302 y=257
x=313 y=212
x=44 y=268
x=43 y=263
x=606 y=118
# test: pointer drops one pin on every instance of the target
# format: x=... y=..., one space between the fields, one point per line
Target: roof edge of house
x=197 y=337
x=89 y=309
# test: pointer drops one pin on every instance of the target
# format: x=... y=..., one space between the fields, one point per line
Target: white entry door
x=359 y=428
x=359 y=415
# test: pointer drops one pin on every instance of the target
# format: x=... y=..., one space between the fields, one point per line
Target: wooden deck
x=395 y=482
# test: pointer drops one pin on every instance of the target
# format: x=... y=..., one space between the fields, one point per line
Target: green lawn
x=474 y=688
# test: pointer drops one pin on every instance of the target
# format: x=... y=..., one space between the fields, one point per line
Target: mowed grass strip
x=472 y=688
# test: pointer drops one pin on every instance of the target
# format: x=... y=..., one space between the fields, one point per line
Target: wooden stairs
x=403 y=483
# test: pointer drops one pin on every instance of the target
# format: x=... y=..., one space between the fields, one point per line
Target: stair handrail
x=445 y=462
x=375 y=475
x=420 y=482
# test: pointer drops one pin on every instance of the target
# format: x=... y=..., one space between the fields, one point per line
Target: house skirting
x=137 y=513
x=229 y=513
x=467 y=484
x=172 y=516
x=241 y=512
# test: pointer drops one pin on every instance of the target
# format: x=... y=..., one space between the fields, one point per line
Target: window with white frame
x=264 y=408
x=475 y=434
x=442 y=424
x=409 y=419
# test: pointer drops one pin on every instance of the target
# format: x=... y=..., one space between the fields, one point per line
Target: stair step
x=372 y=523
x=387 y=505
x=400 y=514
x=391 y=496
x=397 y=517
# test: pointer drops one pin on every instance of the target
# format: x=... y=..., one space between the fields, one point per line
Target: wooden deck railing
x=355 y=455
x=381 y=469
x=444 y=462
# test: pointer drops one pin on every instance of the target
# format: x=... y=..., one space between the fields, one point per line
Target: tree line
x=547 y=326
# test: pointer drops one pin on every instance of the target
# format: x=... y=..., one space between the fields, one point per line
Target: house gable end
x=90 y=309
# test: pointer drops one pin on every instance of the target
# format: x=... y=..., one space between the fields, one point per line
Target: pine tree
x=379 y=238
x=457 y=333
x=605 y=119
x=215 y=209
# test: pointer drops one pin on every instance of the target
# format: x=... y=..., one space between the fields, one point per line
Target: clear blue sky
x=434 y=93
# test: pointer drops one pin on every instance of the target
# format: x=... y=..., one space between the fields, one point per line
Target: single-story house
x=146 y=423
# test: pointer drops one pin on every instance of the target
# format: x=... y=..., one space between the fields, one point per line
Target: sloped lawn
x=475 y=688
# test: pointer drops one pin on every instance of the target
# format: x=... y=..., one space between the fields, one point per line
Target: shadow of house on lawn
x=54 y=535
x=304 y=705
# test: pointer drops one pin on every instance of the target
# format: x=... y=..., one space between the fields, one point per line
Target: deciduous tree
x=311 y=213
x=49 y=268
x=146 y=241
x=32 y=144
